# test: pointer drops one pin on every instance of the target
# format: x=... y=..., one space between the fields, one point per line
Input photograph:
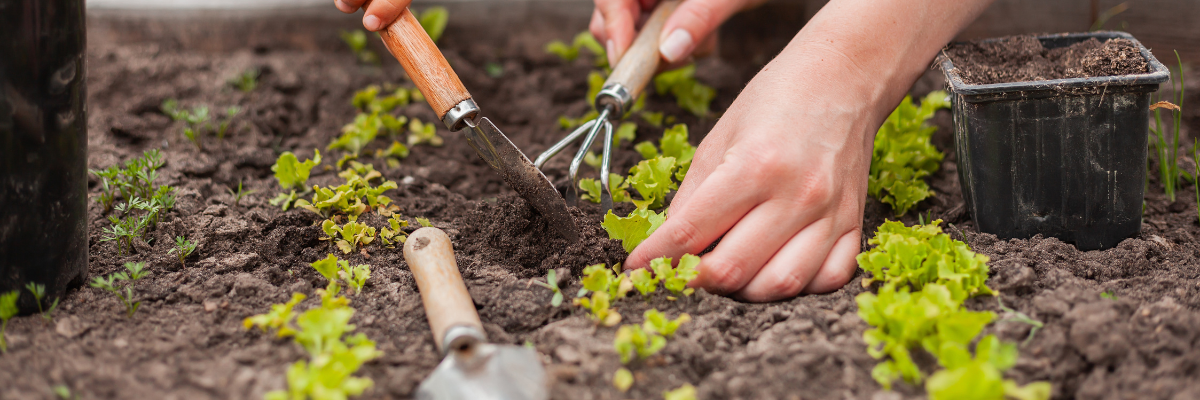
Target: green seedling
x=1017 y=316
x=674 y=144
x=357 y=135
x=644 y=281
x=623 y=379
x=245 y=81
x=368 y=100
x=357 y=41
x=423 y=133
x=923 y=254
x=337 y=271
x=633 y=229
x=567 y=123
x=39 y=292
x=391 y=235
x=280 y=318
x=655 y=119
x=657 y=323
x=239 y=193
x=348 y=198
x=584 y=40
x=329 y=375
x=981 y=377
x=675 y=279
x=183 y=248
x=552 y=284
x=652 y=179
x=904 y=154
x=434 y=20
x=292 y=176
x=690 y=94
x=112 y=284
x=632 y=342
x=63 y=392
x=352 y=234
x=223 y=126
x=8 y=309
x=600 y=278
x=125 y=230
x=1166 y=140
x=493 y=69
x=616 y=183
x=424 y=222
x=134 y=178
x=1109 y=295
x=685 y=392
x=393 y=154
x=599 y=307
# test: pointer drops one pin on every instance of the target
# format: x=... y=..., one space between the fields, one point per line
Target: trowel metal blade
x=523 y=177
x=496 y=373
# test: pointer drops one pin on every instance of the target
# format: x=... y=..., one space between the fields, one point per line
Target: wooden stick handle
x=639 y=63
x=430 y=256
x=424 y=63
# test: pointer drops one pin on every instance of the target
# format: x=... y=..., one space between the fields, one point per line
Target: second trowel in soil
x=424 y=63
x=472 y=368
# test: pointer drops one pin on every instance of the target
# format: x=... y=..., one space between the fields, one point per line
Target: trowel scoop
x=472 y=368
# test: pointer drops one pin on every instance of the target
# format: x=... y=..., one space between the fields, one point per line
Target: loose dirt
x=1024 y=58
x=187 y=340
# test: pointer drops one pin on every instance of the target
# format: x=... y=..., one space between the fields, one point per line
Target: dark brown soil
x=1023 y=59
x=187 y=341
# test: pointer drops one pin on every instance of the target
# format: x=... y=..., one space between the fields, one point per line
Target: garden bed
x=187 y=339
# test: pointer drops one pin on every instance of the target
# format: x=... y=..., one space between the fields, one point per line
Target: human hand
x=614 y=24
x=378 y=14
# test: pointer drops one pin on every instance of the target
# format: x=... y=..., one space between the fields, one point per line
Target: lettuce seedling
x=111 y=283
x=674 y=144
x=981 y=377
x=644 y=281
x=329 y=374
x=685 y=392
x=652 y=179
x=337 y=271
x=423 y=133
x=348 y=198
x=584 y=40
x=8 y=309
x=183 y=248
x=623 y=379
x=357 y=41
x=655 y=118
x=598 y=306
x=368 y=100
x=567 y=123
x=633 y=229
x=923 y=254
x=39 y=292
x=657 y=323
x=690 y=94
x=434 y=20
x=292 y=176
x=350 y=236
x=632 y=341
x=552 y=284
x=280 y=318
x=424 y=222
x=391 y=234
x=676 y=279
x=904 y=154
x=393 y=154
x=356 y=135
x=616 y=184
x=600 y=278
x=245 y=81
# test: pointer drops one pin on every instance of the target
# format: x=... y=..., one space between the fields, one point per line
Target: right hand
x=377 y=14
x=689 y=30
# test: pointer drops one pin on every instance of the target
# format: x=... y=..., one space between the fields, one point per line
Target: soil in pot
x=1023 y=58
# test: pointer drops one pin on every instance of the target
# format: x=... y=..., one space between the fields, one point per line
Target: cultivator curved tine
x=562 y=144
x=606 y=200
x=601 y=121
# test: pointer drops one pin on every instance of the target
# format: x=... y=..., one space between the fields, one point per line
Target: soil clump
x=1023 y=58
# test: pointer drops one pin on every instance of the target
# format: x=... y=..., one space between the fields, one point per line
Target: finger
x=706 y=47
x=596 y=26
x=694 y=226
x=381 y=13
x=620 y=17
x=708 y=156
x=744 y=251
x=693 y=20
x=792 y=267
x=348 y=6
x=840 y=266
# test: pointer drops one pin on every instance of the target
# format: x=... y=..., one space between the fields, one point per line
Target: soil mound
x=1024 y=58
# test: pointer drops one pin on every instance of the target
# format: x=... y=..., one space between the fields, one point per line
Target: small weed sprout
x=239 y=194
x=183 y=248
x=1017 y=316
x=552 y=284
x=111 y=283
x=39 y=292
x=134 y=178
x=124 y=230
x=245 y=81
x=223 y=126
x=8 y=309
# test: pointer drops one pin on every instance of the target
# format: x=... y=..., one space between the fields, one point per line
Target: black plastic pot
x=43 y=147
x=1064 y=158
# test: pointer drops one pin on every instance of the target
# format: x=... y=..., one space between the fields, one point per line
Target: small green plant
x=434 y=20
x=1017 y=316
x=674 y=143
x=657 y=323
x=391 y=234
x=280 y=318
x=393 y=154
x=1108 y=295
x=8 y=309
x=623 y=379
x=39 y=292
x=923 y=254
x=348 y=197
x=337 y=271
x=552 y=284
x=112 y=284
x=292 y=176
x=675 y=279
x=357 y=41
x=493 y=69
x=685 y=392
x=981 y=377
x=357 y=135
x=134 y=178
x=223 y=126
x=632 y=342
x=368 y=100
x=196 y=122
x=63 y=392
x=584 y=40
x=600 y=278
x=183 y=248
x=424 y=222
x=644 y=281
x=633 y=229
x=599 y=305
x=904 y=154
x=352 y=234
x=690 y=94
x=132 y=226
x=239 y=193
x=423 y=133
x=653 y=179
x=245 y=81
x=1166 y=140
x=616 y=184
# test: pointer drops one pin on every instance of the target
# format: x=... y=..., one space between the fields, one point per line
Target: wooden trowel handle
x=447 y=302
x=639 y=63
x=424 y=63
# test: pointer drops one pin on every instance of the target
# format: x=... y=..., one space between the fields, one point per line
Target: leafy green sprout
x=112 y=284
x=183 y=248
x=125 y=230
x=656 y=322
x=424 y=222
x=1017 y=316
x=239 y=193
x=632 y=342
x=223 y=126
x=39 y=292
x=246 y=81
x=493 y=69
x=433 y=20
x=357 y=41
x=623 y=379
x=350 y=236
x=292 y=176
x=904 y=154
x=1166 y=140
x=337 y=271
x=583 y=40
x=690 y=94
x=1110 y=295
x=8 y=309
x=685 y=392
x=63 y=392
x=392 y=234
x=423 y=133
x=134 y=178
x=552 y=284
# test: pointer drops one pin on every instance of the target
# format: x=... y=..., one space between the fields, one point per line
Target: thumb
x=692 y=21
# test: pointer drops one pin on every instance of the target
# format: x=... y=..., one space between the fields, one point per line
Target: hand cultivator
x=618 y=94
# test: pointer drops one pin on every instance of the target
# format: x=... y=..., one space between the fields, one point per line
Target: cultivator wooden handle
x=430 y=256
x=424 y=63
x=639 y=63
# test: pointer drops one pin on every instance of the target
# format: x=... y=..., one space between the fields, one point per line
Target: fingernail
x=372 y=23
x=676 y=45
x=342 y=6
x=611 y=49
